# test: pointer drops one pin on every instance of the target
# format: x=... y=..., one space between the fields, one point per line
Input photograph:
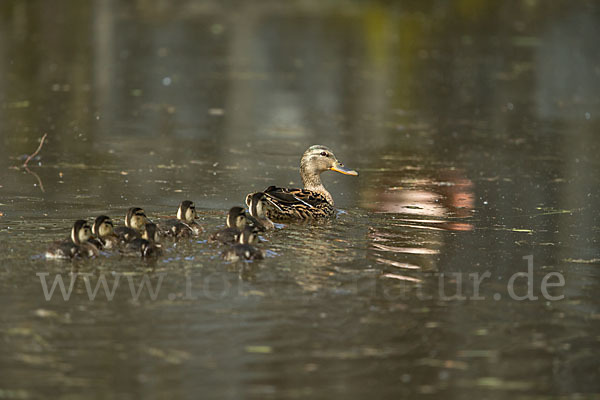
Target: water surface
x=473 y=126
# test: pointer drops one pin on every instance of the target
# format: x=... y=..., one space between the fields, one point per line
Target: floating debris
x=216 y=111
x=169 y=355
x=259 y=349
x=402 y=278
x=582 y=261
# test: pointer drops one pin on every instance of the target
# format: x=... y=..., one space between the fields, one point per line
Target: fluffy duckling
x=258 y=212
x=236 y=222
x=146 y=245
x=243 y=250
x=103 y=229
x=185 y=224
x=78 y=245
x=135 y=221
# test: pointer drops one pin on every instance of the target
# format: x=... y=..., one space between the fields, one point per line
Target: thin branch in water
x=37 y=177
x=36 y=152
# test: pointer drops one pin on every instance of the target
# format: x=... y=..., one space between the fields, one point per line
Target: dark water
x=474 y=125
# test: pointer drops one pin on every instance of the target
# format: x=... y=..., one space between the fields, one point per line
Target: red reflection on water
x=425 y=206
x=450 y=196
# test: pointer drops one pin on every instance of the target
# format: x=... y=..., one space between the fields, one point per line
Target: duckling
x=104 y=230
x=146 y=245
x=312 y=202
x=243 y=250
x=236 y=221
x=77 y=245
x=135 y=221
x=258 y=213
x=185 y=224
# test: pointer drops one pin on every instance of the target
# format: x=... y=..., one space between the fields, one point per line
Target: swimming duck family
x=139 y=236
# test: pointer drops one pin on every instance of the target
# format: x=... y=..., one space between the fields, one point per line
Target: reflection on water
x=473 y=125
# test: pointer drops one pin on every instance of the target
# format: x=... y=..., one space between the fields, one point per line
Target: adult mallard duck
x=184 y=225
x=314 y=201
x=76 y=246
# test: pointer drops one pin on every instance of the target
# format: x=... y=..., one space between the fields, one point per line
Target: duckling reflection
x=147 y=245
x=104 y=230
x=236 y=222
x=184 y=225
x=312 y=202
x=135 y=222
x=76 y=246
x=244 y=250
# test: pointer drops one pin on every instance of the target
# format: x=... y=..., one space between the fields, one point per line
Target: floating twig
x=35 y=153
x=37 y=177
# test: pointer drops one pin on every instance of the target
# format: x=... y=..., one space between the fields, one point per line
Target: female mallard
x=184 y=225
x=314 y=201
x=78 y=245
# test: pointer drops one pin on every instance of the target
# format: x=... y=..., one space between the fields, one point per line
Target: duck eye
x=324 y=154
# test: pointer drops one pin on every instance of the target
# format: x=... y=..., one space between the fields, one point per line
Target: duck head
x=103 y=226
x=236 y=218
x=187 y=211
x=81 y=232
x=150 y=232
x=318 y=159
x=136 y=218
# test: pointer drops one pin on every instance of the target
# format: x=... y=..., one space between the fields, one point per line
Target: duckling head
x=103 y=226
x=150 y=232
x=81 y=232
x=236 y=218
x=317 y=159
x=256 y=206
x=187 y=211
x=136 y=218
x=147 y=249
x=248 y=236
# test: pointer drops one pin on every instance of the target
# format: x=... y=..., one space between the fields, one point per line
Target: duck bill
x=339 y=167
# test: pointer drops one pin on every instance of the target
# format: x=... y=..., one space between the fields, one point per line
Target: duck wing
x=292 y=197
x=285 y=204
